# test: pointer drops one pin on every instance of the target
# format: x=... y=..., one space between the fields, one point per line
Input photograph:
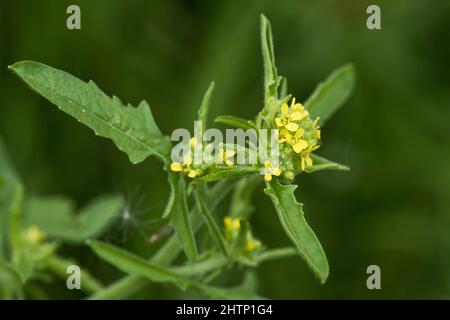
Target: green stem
x=59 y=267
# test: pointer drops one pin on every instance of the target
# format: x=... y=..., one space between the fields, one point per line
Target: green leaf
x=57 y=218
x=284 y=88
x=224 y=172
x=320 y=163
x=202 y=267
x=291 y=216
x=204 y=107
x=133 y=264
x=271 y=80
x=133 y=130
x=179 y=216
x=275 y=254
x=235 y=122
x=331 y=94
x=211 y=223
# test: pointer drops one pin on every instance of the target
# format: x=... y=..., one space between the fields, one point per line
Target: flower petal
x=300 y=146
x=175 y=166
x=292 y=126
x=268 y=177
x=192 y=174
x=276 y=171
x=279 y=122
x=284 y=109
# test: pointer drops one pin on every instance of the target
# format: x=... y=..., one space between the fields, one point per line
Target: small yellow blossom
x=296 y=141
x=252 y=245
x=305 y=158
x=34 y=234
x=185 y=166
x=296 y=112
x=231 y=224
x=226 y=156
x=269 y=171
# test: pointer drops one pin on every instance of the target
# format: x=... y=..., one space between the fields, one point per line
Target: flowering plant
x=135 y=132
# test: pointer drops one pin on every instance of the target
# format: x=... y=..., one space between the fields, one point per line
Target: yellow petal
x=276 y=171
x=250 y=245
x=279 y=122
x=308 y=161
x=284 y=109
x=192 y=173
x=303 y=164
x=229 y=163
x=298 y=107
x=267 y=164
x=293 y=101
x=292 y=126
x=175 y=166
x=267 y=177
x=299 y=133
x=300 y=146
x=297 y=116
x=316 y=134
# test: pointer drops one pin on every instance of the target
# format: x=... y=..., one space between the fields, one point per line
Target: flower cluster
x=232 y=230
x=298 y=131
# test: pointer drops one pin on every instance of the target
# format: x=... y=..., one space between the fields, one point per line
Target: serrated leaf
x=57 y=218
x=179 y=216
x=291 y=216
x=271 y=80
x=320 y=163
x=235 y=122
x=211 y=223
x=204 y=107
x=331 y=94
x=132 y=129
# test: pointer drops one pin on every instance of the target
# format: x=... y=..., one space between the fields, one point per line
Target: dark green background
x=392 y=209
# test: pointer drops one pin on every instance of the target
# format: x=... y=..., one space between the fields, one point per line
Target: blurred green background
x=391 y=210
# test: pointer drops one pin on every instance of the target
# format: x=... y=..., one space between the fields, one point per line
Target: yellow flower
x=185 y=166
x=289 y=115
x=305 y=158
x=34 y=234
x=296 y=141
x=252 y=245
x=269 y=171
x=231 y=224
x=226 y=156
